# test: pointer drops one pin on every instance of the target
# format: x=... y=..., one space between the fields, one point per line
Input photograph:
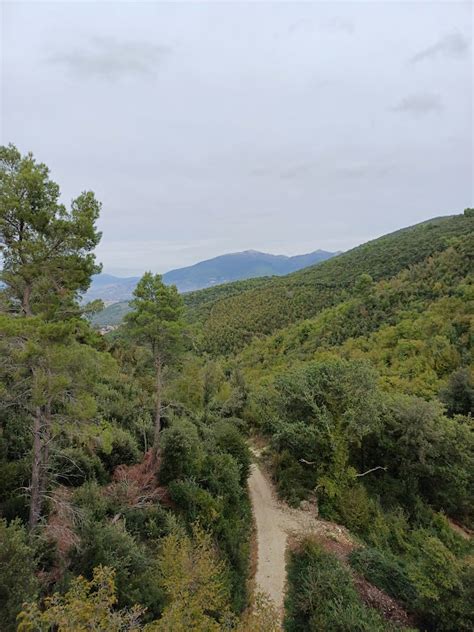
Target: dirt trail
x=271 y=538
x=275 y=521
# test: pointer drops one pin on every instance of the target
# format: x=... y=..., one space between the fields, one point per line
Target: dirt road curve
x=275 y=521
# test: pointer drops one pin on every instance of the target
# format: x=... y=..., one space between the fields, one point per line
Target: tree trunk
x=36 y=499
x=25 y=302
x=46 y=438
x=156 y=437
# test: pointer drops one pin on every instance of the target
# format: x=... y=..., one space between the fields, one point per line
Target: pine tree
x=50 y=375
x=46 y=249
x=156 y=320
x=47 y=261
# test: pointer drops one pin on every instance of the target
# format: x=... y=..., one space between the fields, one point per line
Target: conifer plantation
x=125 y=458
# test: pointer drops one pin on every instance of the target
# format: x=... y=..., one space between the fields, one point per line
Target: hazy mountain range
x=223 y=269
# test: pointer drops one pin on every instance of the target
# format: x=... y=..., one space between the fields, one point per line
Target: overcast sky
x=207 y=128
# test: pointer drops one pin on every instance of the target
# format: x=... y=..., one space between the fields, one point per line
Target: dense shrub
x=75 y=465
x=220 y=475
x=230 y=440
x=195 y=503
x=425 y=576
x=14 y=476
x=18 y=582
x=356 y=510
x=386 y=571
x=90 y=498
x=321 y=596
x=221 y=505
x=292 y=478
x=429 y=458
x=149 y=524
x=136 y=572
x=458 y=394
x=85 y=606
x=180 y=451
x=123 y=450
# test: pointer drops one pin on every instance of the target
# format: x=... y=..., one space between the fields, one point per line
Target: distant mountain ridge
x=237 y=266
x=111 y=289
x=216 y=271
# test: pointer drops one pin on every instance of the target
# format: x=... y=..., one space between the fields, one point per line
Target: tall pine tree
x=48 y=260
x=156 y=320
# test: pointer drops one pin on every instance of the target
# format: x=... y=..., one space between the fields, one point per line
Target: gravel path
x=275 y=521
x=271 y=538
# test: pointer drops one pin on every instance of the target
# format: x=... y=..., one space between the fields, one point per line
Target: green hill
x=199 y=303
x=414 y=327
x=110 y=315
x=365 y=398
x=234 y=320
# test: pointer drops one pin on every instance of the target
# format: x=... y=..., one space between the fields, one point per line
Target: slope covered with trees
x=367 y=408
x=234 y=320
x=199 y=302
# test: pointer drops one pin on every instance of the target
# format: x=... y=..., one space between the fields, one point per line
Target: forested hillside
x=366 y=405
x=224 y=269
x=236 y=319
x=124 y=459
x=199 y=302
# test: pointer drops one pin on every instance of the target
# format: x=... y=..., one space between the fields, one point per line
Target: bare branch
x=379 y=467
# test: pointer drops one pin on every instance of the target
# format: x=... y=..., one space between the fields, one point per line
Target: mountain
x=239 y=265
x=216 y=271
x=111 y=289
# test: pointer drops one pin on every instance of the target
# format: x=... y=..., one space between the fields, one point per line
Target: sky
x=213 y=127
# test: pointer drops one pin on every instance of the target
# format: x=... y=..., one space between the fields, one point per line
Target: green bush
x=14 y=476
x=74 y=465
x=147 y=523
x=321 y=596
x=18 y=582
x=386 y=571
x=181 y=451
x=444 y=594
x=124 y=450
x=220 y=474
x=424 y=575
x=292 y=478
x=229 y=439
x=90 y=498
x=356 y=509
x=458 y=394
x=222 y=507
x=137 y=575
x=195 y=503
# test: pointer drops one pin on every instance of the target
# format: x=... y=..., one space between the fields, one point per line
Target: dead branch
x=379 y=467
